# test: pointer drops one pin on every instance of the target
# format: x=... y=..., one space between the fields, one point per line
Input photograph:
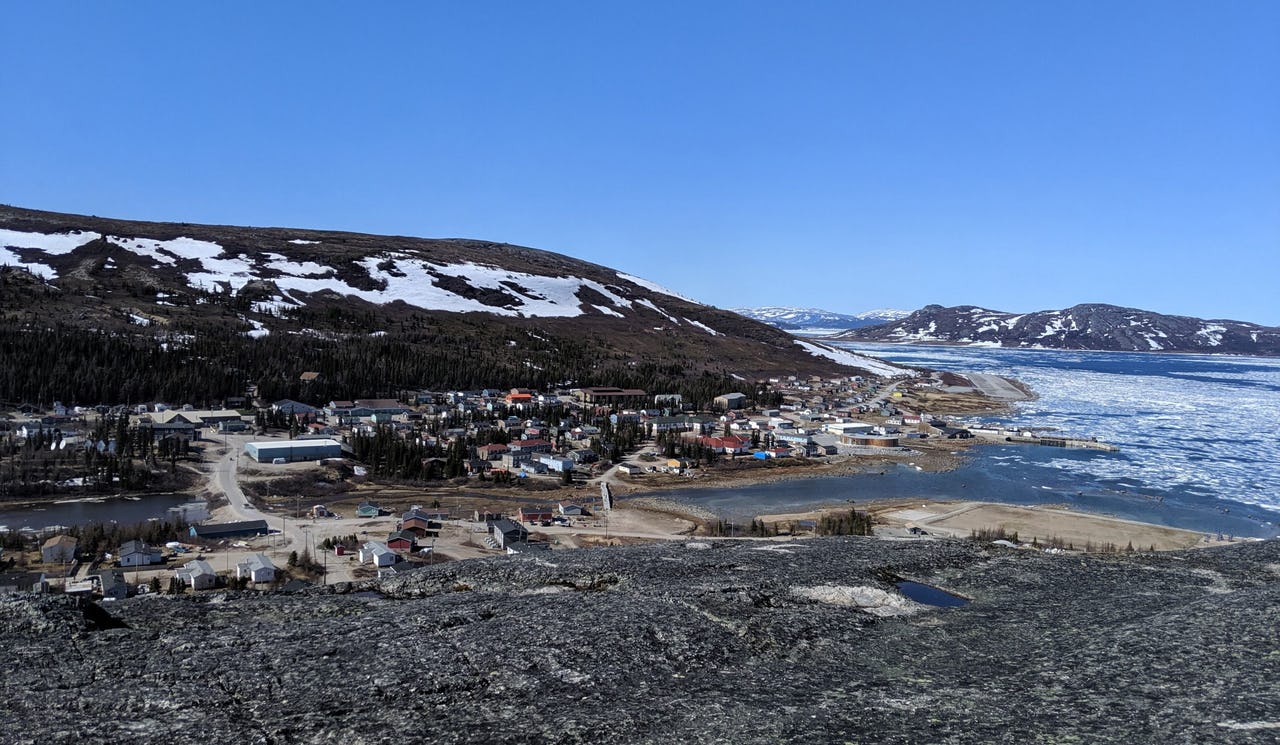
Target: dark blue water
x=930 y=595
x=117 y=509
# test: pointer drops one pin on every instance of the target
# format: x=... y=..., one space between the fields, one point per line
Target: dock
x=1065 y=442
x=1056 y=441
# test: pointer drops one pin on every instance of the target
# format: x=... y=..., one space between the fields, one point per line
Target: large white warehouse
x=292 y=450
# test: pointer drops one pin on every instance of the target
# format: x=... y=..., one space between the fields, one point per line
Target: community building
x=288 y=451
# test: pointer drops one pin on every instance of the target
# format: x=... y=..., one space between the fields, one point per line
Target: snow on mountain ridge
x=1090 y=326
x=812 y=320
x=460 y=287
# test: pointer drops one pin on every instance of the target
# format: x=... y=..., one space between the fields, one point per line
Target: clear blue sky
x=843 y=155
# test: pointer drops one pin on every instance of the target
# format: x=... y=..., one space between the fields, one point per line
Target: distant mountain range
x=264 y=304
x=1091 y=326
x=812 y=321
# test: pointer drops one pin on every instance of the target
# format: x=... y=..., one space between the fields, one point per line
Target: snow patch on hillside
x=235 y=272
x=304 y=268
x=845 y=357
x=51 y=243
x=654 y=287
x=143 y=247
x=702 y=326
x=1212 y=334
x=411 y=280
x=649 y=304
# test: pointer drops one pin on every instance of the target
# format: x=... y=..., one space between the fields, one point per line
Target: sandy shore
x=960 y=519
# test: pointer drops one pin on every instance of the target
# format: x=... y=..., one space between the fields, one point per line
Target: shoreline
x=924 y=518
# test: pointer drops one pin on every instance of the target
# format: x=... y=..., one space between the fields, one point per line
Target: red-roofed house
x=491 y=452
x=728 y=444
x=529 y=446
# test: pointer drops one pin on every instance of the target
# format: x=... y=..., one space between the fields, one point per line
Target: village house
x=402 y=540
x=519 y=397
x=175 y=430
x=513 y=461
x=111 y=584
x=339 y=409
x=291 y=407
x=609 y=396
x=60 y=549
x=729 y=401
x=534 y=514
x=137 y=554
x=419 y=523
x=388 y=406
x=493 y=451
x=530 y=446
x=197 y=574
x=257 y=568
x=377 y=554
x=507 y=532
x=728 y=445
x=678 y=465
x=320 y=429
x=23 y=582
x=556 y=463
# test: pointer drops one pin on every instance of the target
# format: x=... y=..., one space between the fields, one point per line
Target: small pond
x=930 y=595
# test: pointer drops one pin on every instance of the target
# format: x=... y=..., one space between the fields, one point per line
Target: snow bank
x=845 y=357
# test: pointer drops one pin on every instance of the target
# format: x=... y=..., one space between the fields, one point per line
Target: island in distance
x=1090 y=326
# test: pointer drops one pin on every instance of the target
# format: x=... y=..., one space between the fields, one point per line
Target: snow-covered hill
x=816 y=322
x=1090 y=326
x=163 y=279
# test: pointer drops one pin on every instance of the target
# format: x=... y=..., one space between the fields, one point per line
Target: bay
x=1197 y=438
x=122 y=510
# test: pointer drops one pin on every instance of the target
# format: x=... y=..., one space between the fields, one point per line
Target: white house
x=556 y=463
x=137 y=554
x=198 y=574
x=258 y=568
x=377 y=554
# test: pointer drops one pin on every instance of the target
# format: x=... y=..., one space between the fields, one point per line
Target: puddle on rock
x=930 y=595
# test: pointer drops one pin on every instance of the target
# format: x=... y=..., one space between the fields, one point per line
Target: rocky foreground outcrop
x=741 y=643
